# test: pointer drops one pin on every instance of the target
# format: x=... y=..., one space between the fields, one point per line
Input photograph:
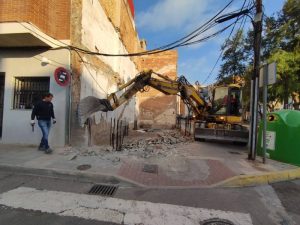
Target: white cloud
x=179 y=17
x=173 y=14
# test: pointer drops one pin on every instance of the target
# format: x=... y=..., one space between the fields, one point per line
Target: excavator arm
x=164 y=84
x=206 y=125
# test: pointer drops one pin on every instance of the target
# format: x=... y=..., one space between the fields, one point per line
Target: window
x=220 y=100
x=29 y=90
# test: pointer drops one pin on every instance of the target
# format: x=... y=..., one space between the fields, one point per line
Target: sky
x=163 y=21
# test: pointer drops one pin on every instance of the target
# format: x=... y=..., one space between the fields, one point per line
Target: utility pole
x=257 y=24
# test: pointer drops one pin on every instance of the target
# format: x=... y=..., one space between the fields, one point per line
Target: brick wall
x=120 y=15
x=51 y=16
x=155 y=108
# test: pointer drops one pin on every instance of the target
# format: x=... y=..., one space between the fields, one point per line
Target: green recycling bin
x=282 y=136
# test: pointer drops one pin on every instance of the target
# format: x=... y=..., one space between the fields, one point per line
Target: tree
x=282 y=31
x=281 y=43
x=272 y=37
x=290 y=28
x=288 y=72
x=233 y=58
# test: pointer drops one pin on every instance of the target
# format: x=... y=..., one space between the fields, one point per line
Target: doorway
x=2 y=81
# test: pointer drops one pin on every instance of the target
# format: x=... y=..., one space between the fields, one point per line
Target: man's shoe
x=41 y=148
x=48 y=151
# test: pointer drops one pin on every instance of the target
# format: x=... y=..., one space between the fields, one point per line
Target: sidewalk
x=186 y=164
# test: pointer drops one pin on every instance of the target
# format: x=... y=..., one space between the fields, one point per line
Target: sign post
x=268 y=75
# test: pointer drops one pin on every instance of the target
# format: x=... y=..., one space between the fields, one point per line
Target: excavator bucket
x=89 y=105
x=238 y=133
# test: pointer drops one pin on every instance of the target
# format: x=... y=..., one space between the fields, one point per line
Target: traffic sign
x=268 y=70
x=62 y=76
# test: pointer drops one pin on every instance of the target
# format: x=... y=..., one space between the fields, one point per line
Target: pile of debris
x=160 y=145
x=148 y=144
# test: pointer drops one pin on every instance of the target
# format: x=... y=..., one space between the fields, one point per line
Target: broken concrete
x=140 y=144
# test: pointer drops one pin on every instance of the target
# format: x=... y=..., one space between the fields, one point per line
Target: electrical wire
x=44 y=38
x=90 y=72
x=52 y=60
x=163 y=50
x=179 y=43
x=184 y=41
x=170 y=46
x=51 y=64
x=226 y=40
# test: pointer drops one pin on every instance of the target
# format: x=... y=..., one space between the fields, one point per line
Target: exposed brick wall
x=119 y=12
x=112 y=10
x=155 y=108
x=51 y=16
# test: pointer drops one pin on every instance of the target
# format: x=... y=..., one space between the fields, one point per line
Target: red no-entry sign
x=62 y=76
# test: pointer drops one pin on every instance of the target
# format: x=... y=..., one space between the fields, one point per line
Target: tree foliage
x=280 y=44
x=233 y=58
x=288 y=70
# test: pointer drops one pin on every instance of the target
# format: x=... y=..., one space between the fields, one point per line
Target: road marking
x=114 y=210
x=270 y=199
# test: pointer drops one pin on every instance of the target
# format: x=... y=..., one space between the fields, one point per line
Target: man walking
x=43 y=111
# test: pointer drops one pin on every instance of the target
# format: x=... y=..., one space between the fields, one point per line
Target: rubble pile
x=161 y=145
x=157 y=144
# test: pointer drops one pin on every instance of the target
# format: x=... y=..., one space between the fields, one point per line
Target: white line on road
x=114 y=210
x=270 y=199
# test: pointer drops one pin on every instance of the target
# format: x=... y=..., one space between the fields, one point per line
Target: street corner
x=153 y=175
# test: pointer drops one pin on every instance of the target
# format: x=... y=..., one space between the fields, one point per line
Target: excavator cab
x=225 y=117
x=226 y=104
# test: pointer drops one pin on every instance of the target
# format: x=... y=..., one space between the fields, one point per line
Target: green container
x=283 y=136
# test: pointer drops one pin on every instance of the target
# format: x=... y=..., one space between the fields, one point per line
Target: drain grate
x=216 y=221
x=235 y=153
x=84 y=167
x=105 y=190
x=150 y=168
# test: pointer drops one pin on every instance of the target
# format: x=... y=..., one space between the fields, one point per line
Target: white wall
x=99 y=32
x=16 y=122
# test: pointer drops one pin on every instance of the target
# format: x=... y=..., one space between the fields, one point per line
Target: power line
x=181 y=42
x=90 y=72
x=221 y=53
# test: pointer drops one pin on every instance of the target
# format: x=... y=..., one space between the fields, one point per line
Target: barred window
x=29 y=90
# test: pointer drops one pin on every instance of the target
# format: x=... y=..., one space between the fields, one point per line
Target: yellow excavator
x=218 y=117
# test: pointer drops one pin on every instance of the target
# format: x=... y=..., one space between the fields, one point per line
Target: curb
x=236 y=181
x=75 y=175
x=87 y=177
x=259 y=179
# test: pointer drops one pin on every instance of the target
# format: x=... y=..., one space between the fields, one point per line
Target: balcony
x=24 y=34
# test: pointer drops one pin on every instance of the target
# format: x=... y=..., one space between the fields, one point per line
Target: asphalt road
x=267 y=205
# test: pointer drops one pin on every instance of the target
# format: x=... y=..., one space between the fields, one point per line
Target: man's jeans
x=45 y=127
